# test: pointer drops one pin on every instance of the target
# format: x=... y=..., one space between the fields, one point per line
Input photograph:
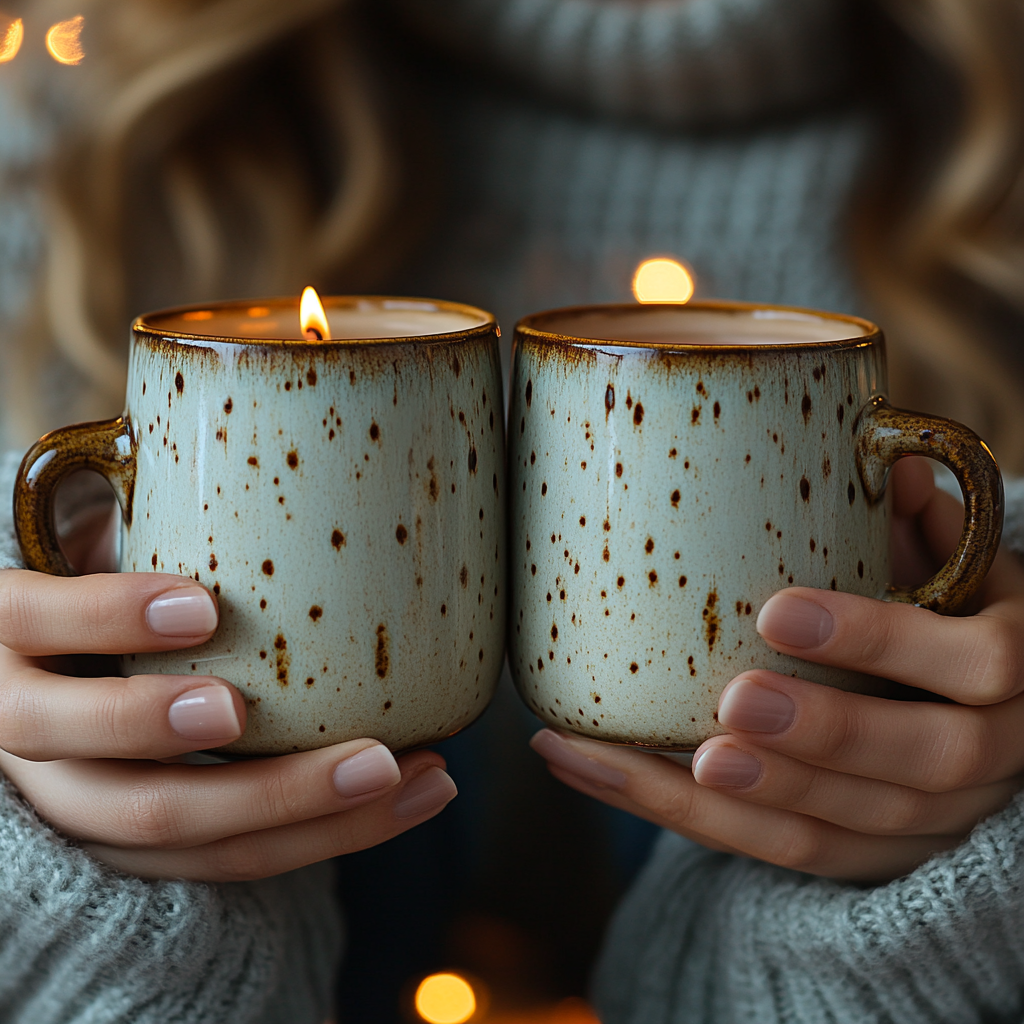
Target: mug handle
x=105 y=447
x=884 y=435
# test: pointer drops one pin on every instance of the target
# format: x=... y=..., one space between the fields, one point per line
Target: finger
x=667 y=794
x=45 y=717
x=177 y=806
x=927 y=746
x=862 y=805
x=912 y=483
x=106 y=613
x=275 y=850
x=974 y=660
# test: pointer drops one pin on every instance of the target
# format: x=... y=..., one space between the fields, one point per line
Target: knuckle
x=875 y=637
x=836 y=732
x=963 y=757
x=900 y=812
x=241 y=860
x=799 y=845
x=19 y=612
x=276 y=800
x=995 y=652
x=150 y=819
x=109 y=724
x=23 y=728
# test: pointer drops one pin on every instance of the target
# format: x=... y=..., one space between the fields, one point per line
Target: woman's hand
x=84 y=751
x=834 y=783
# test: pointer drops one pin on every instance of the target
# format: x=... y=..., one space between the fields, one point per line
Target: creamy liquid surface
x=279 y=320
x=674 y=327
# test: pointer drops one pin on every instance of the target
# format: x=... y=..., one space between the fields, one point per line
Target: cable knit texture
x=707 y=938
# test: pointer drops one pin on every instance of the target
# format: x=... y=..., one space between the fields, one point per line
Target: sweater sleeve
x=709 y=938
x=80 y=943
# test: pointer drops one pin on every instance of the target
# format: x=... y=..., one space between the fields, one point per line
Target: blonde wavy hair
x=940 y=234
x=205 y=111
x=211 y=148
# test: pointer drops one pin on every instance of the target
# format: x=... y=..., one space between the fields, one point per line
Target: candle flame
x=312 y=318
x=11 y=42
x=662 y=280
x=62 y=40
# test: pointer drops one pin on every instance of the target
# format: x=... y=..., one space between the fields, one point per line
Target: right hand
x=84 y=747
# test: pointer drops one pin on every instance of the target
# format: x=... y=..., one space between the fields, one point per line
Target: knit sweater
x=581 y=136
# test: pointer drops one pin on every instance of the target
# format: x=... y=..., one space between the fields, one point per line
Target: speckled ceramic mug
x=343 y=499
x=671 y=467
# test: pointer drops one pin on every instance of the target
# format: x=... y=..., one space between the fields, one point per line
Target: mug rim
x=528 y=327
x=141 y=325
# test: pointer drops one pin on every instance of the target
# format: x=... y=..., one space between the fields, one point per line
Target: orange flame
x=662 y=280
x=312 y=318
x=11 y=42
x=62 y=40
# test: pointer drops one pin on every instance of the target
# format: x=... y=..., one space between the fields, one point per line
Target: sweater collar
x=683 y=62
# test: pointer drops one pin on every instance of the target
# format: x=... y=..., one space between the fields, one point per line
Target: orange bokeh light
x=12 y=39
x=63 y=40
x=445 y=999
x=662 y=280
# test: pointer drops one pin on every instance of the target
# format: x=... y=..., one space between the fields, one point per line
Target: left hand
x=839 y=784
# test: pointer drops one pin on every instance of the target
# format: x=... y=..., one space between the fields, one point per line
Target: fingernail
x=185 y=612
x=750 y=707
x=794 y=622
x=206 y=714
x=554 y=748
x=427 y=792
x=726 y=767
x=370 y=769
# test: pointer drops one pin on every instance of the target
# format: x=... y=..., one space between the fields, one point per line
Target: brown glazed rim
x=529 y=327
x=141 y=324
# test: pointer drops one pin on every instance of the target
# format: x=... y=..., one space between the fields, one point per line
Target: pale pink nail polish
x=795 y=622
x=727 y=767
x=751 y=707
x=205 y=714
x=556 y=750
x=427 y=792
x=371 y=769
x=188 y=611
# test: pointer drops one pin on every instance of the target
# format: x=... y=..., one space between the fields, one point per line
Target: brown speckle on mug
x=381 y=657
x=282 y=658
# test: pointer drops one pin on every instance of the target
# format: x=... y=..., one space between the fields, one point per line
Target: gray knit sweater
x=721 y=131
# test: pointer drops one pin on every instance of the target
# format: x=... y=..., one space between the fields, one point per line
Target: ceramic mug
x=670 y=468
x=343 y=500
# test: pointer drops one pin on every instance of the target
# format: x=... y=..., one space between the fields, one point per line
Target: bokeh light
x=662 y=280
x=445 y=999
x=63 y=42
x=10 y=42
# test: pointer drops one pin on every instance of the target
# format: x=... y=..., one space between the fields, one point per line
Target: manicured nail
x=558 y=751
x=751 y=707
x=189 y=611
x=427 y=792
x=371 y=769
x=794 y=622
x=206 y=714
x=726 y=767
